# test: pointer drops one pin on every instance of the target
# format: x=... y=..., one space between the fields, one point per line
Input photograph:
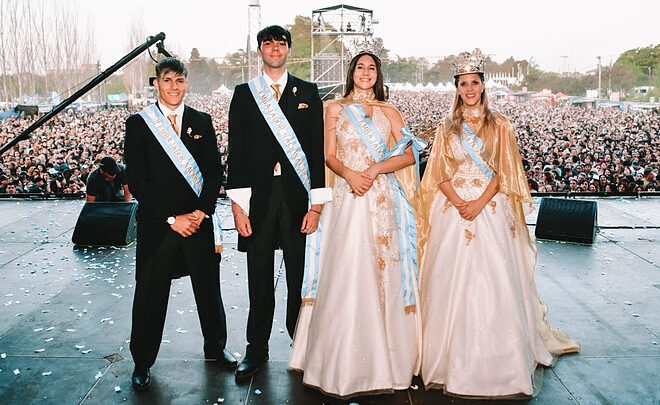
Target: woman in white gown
x=358 y=330
x=484 y=328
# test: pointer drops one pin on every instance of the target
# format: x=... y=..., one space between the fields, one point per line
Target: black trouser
x=276 y=226
x=154 y=271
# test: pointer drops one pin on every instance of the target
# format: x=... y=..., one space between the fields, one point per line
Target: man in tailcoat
x=271 y=206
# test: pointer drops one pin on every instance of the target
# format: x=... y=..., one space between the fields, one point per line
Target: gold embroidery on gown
x=358 y=337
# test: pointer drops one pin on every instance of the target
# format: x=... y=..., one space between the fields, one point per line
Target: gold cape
x=502 y=155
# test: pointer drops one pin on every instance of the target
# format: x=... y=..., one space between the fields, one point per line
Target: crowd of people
x=564 y=148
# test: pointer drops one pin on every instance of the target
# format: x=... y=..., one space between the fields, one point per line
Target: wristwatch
x=171 y=220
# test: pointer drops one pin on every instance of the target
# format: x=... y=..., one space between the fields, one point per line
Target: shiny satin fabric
x=484 y=327
x=357 y=337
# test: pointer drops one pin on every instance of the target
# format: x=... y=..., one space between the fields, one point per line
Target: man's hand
x=185 y=225
x=198 y=216
x=311 y=220
x=242 y=223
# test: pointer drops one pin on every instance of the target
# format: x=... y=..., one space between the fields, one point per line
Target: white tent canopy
x=221 y=89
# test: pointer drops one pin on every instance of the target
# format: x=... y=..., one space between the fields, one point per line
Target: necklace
x=362 y=97
x=471 y=114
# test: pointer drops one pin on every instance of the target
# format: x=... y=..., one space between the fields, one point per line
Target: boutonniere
x=294 y=90
x=189 y=131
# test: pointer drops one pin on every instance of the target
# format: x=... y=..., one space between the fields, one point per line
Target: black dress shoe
x=141 y=378
x=224 y=359
x=249 y=366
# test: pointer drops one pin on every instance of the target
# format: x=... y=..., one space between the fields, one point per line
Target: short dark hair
x=171 y=65
x=379 y=87
x=273 y=33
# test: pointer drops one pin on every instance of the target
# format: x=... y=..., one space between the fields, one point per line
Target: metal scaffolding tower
x=334 y=30
x=254 y=25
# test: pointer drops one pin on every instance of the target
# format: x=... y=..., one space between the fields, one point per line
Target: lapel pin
x=189 y=131
x=294 y=90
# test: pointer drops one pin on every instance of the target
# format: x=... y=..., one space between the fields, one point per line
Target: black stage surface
x=65 y=319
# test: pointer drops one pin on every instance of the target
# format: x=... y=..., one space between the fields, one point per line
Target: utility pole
x=609 y=78
x=599 y=75
x=254 y=25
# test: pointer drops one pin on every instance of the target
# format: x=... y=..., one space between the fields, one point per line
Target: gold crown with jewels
x=468 y=62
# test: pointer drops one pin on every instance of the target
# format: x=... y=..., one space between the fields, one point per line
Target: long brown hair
x=379 y=86
x=456 y=114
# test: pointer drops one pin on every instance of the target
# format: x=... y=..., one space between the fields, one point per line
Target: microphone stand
x=93 y=83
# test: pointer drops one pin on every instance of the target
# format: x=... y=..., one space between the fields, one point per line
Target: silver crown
x=364 y=45
x=466 y=62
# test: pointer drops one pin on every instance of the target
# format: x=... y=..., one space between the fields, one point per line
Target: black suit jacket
x=155 y=181
x=254 y=150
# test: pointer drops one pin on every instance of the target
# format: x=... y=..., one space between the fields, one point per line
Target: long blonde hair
x=456 y=114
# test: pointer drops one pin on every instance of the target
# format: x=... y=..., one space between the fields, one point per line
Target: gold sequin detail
x=459 y=182
x=308 y=301
x=447 y=205
x=492 y=204
x=476 y=182
x=381 y=264
x=383 y=240
x=469 y=236
x=513 y=228
x=381 y=199
x=410 y=309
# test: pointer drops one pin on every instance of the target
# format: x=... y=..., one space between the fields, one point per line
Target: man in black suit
x=174 y=225
x=270 y=201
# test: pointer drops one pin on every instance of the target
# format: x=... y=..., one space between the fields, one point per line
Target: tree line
x=46 y=48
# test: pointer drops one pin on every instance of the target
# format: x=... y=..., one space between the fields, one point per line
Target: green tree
x=233 y=69
x=203 y=73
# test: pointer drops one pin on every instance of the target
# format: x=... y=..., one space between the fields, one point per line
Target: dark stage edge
x=65 y=319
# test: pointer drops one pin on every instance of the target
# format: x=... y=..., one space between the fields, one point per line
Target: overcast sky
x=545 y=30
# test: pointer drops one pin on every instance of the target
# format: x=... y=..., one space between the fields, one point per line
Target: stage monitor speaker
x=567 y=220
x=106 y=224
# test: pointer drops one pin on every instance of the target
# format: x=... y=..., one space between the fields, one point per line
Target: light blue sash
x=180 y=156
x=472 y=145
x=288 y=140
x=281 y=128
x=407 y=231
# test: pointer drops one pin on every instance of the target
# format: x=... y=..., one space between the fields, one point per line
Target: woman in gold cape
x=358 y=335
x=483 y=325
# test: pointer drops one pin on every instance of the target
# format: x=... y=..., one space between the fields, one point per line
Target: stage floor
x=66 y=312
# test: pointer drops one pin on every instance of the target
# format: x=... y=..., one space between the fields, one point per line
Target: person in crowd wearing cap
x=276 y=182
x=172 y=168
x=483 y=325
x=358 y=330
x=108 y=183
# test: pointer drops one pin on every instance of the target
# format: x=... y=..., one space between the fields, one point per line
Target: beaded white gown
x=482 y=327
x=358 y=337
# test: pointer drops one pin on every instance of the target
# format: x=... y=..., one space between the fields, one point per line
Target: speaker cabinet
x=106 y=224
x=567 y=220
